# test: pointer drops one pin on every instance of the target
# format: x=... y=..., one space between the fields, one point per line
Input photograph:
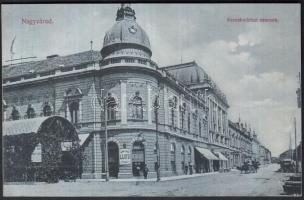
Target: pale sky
x=255 y=63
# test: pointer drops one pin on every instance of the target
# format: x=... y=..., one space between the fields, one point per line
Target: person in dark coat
x=146 y=170
x=186 y=169
x=138 y=170
x=190 y=169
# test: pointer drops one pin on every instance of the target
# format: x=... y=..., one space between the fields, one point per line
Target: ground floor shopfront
x=51 y=146
x=130 y=151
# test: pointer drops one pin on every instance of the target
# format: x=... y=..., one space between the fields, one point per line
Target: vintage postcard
x=151 y=100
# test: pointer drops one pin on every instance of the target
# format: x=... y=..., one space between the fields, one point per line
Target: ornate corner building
x=69 y=100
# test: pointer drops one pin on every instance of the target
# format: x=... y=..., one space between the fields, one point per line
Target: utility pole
x=298 y=92
x=296 y=152
x=156 y=107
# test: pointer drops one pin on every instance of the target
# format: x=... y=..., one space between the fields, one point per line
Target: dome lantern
x=125 y=12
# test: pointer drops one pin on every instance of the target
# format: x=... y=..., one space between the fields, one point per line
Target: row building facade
x=174 y=118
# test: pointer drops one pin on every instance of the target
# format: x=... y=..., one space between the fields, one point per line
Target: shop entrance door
x=216 y=165
x=113 y=155
x=138 y=158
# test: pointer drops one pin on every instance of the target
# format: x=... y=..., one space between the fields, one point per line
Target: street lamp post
x=105 y=108
x=296 y=152
x=156 y=107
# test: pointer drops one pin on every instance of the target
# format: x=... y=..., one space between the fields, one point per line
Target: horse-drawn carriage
x=287 y=165
x=249 y=168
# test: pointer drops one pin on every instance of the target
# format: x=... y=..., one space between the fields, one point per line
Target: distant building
x=241 y=141
x=255 y=147
x=275 y=160
x=286 y=154
x=299 y=152
x=265 y=155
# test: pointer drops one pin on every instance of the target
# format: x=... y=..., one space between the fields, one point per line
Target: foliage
x=55 y=162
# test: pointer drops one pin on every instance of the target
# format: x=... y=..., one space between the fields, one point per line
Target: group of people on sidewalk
x=188 y=167
x=144 y=171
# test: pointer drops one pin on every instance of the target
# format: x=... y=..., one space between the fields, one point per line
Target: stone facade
x=246 y=145
x=121 y=83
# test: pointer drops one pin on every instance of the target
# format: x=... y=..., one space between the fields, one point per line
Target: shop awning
x=83 y=138
x=22 y=126
x=83 y=134
x=221 y=156
x=206 y=153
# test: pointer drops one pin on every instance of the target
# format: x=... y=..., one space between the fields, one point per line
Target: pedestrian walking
x=186 y=169
x=146 y=170
x=138 y=170
x=255 y=165
x=190 y=169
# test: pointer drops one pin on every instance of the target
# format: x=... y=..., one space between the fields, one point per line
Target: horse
x=256 y=166
x=244 y=168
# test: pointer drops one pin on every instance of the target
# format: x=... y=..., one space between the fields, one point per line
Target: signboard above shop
x=124 y=157
x=36 y=155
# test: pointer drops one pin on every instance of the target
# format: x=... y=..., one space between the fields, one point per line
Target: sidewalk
x=168 y=178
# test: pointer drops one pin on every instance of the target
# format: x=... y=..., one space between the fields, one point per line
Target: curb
x=168 y=178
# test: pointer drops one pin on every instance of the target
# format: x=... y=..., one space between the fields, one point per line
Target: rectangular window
x=114 y=60
x=172 y=117
x=129 y=60
x=200 y=129
x=189 y=124
x=48 y=73
x=144 y=62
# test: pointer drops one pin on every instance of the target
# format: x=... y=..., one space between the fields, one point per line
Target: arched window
x=217 y=138
x=172 y=117
x=73 y=92
x=111 y=107
x=172 y=106
x=173 y=163
x=74 y=111
x=183 y=111
x=73 y=104
x=183 y=150
x=183 y=157
x=137 y=107
x=47 y=110
x=30 y=113
x=195 y=116
x=15 y=114
x=189 y=154
x=189 y=123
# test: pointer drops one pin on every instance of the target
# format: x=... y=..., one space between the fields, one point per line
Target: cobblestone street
x=266 y=182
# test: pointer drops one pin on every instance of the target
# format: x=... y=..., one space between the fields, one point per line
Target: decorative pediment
x=73 y=92
x=173 y=102
x=183 y=107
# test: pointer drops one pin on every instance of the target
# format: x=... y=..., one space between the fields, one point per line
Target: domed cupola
x=126 y=37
